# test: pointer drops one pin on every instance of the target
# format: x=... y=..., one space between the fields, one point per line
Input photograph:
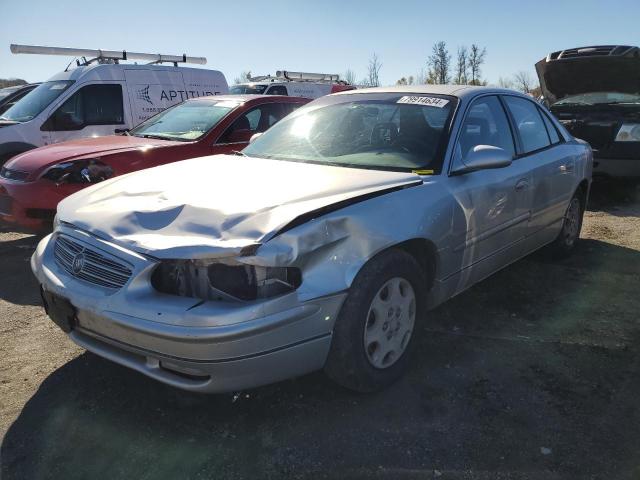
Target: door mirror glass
x=241 y=135
x=483 y=157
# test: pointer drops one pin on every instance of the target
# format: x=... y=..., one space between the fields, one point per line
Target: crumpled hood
x=572 y=76
x=38 y=158
x=213 y=206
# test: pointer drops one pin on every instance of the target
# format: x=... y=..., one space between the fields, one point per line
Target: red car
x=32 y=184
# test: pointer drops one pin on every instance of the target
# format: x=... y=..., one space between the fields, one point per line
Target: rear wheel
x=571 y=226
x=373 y=334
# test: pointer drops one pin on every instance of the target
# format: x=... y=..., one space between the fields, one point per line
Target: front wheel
x=373 y=333
x=566 y=241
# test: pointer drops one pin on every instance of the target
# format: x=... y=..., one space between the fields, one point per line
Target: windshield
x=34 y=102
x=187 y=121
x=600 y=98
x=248 y=89
x=397 y=133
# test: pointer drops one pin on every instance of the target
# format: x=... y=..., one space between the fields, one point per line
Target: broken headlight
x=629 y=132
x=89 y=170
x=220 y=280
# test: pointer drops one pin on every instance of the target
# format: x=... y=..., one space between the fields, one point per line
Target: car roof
x=460 y=91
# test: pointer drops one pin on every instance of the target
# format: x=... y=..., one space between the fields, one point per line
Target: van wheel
x=374 y=331
x=566 y=241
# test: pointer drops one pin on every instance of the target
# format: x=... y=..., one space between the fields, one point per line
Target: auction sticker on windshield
x=428 y=101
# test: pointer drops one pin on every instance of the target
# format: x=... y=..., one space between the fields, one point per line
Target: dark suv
x=595 y=93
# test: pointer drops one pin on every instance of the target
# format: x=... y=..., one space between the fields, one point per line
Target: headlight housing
x=629 y=132
x=224 y=280
x=88 y=170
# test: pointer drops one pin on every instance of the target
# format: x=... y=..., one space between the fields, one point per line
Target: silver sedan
x=321 y=246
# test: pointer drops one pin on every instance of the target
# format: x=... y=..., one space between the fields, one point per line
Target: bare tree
x=421 y=77
x=523 y=81
x=476 y=59
x=439 y=62
x=349 y=76
x=505 y=82
x=462 y=66
x=406 y=80
x=244 y=76
x=373 y=79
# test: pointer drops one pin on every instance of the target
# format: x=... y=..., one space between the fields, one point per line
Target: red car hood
x=38 y=158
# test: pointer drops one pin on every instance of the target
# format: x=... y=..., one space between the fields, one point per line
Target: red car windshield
x=185 y=122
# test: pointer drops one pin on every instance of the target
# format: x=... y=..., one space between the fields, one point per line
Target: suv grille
x=87 y=264
x=10 y=174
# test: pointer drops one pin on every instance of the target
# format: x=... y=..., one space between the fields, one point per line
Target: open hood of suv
x=561 y=77
x=213 y=206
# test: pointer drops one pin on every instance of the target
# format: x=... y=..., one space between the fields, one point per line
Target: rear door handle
x=522 y=184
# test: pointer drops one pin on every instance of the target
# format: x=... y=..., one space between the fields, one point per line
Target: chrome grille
x=88 y=264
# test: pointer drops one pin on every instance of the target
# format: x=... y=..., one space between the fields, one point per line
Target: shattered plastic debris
x=545 y=451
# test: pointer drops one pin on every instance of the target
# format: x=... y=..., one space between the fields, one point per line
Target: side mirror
x=483 y=157
x=254 y=136
x=241 y=135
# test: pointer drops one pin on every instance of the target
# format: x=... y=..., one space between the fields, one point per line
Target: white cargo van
x=293 y=84
x=100 y=97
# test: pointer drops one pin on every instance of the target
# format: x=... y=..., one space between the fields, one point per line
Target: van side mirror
x=484 y=157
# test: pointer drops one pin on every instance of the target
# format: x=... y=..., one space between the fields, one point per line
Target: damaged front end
x=224 y=280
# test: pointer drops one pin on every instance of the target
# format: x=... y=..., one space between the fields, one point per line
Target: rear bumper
x=612 y=167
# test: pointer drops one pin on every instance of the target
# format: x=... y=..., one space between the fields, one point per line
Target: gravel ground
x=532 y=374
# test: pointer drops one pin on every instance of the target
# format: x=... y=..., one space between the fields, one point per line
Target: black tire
x=566 y=241
x=348 y=363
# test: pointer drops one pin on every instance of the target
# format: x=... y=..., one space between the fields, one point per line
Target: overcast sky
x=315 y=36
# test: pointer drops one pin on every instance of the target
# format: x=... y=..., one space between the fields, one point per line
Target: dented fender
x=331 y=249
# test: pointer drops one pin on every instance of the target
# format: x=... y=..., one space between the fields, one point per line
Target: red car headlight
x=88 y=170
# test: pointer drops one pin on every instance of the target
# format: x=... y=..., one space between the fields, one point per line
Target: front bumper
x=31 y=205
x=204 y=347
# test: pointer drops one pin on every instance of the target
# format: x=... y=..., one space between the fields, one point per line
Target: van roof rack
x=105 y=56
x=289 y=76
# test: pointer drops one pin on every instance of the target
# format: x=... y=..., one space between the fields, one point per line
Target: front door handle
x=522 y=184
x=566 y=168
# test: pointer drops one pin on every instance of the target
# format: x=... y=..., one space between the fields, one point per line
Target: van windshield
x=34 y=102
x=185 y=122
x=247 y=89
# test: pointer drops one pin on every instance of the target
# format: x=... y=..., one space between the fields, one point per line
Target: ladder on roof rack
x=287 y=75
x=105 y=56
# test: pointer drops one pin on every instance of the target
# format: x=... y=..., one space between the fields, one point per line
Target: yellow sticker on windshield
x=423 y=172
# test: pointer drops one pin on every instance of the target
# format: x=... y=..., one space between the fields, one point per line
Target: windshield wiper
x=157 y=137
x=238 y=152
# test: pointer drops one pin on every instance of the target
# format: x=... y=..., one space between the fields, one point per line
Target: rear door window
x=554 y=136
x=529 y=123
